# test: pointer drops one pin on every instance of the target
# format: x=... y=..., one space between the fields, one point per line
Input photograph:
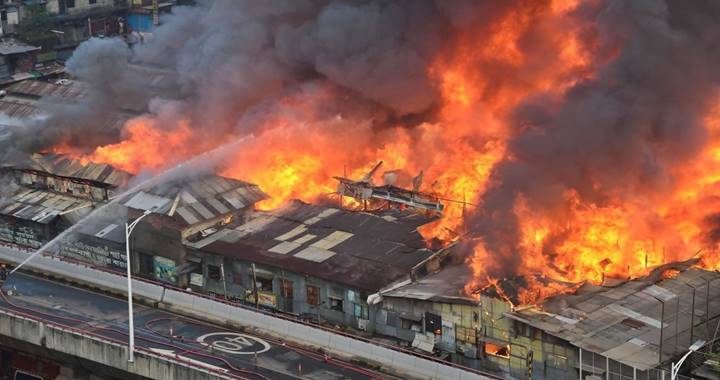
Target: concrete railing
x=187 y=303
x=110 y=353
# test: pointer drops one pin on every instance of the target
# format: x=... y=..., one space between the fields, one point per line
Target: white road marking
x=234 y=343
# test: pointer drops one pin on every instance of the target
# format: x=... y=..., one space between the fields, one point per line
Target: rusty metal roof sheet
x=37 y=88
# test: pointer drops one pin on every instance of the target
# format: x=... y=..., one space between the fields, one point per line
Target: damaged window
x=264 y=284
x=336 y=304
x=497 y=350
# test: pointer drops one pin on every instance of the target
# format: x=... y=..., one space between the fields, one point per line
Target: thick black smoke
x=214 y=63
x=617 y=134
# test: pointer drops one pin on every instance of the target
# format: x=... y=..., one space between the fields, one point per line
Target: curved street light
x=675 y=368
x=129 y=227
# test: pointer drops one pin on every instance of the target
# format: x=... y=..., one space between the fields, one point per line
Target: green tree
x=36 y=24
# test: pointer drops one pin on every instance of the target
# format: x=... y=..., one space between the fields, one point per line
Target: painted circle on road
x=234 y=343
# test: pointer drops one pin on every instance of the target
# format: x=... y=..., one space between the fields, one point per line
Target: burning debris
x=387 y=196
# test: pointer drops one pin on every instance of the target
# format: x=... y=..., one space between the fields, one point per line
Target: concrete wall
x=208 y=309
x=112 y=354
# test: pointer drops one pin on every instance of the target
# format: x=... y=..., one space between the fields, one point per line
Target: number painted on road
x=234 y=343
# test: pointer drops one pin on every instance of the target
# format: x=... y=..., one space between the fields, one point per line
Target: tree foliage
x=36 y=24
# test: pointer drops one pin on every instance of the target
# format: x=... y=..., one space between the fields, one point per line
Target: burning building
x=562 y=144
x=182 y=211
x=45 y=194
x=629 y=329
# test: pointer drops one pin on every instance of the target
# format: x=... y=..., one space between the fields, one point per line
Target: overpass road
x=233 y=353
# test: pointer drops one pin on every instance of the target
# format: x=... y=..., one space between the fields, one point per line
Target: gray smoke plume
x=617 y=134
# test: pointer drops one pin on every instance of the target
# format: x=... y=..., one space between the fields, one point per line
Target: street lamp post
x=131 y=328
x=675 y=368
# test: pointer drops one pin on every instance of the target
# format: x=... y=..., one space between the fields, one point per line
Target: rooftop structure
x=11 y=46
x=445 y=285
x=41 y=206
x=46 y=193
x=640 y=323
x=191 y=201
x=364 y=250
x=61 y=166
x=35 y=89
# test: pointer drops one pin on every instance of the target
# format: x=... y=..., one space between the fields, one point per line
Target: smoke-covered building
x=46 y=193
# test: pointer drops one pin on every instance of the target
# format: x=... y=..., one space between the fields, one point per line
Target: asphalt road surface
x=233 y=352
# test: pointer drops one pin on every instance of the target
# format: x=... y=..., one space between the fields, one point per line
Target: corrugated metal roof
x=38 y=88
x=624 y=322
x=17 y=108
x=41 y=206
x=363 y=250
x=64 y=166
x=9 y=46
x=144 y=201
x=445 y=285
x=199 y=199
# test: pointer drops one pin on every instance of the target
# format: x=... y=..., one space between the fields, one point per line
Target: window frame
x=316 y=295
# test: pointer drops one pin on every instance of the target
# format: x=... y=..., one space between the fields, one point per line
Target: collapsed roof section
x=363 y=250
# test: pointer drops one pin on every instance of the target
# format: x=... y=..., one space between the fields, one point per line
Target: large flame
x=481 y=81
